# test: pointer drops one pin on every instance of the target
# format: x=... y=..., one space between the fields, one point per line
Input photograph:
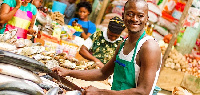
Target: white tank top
x=137 y=68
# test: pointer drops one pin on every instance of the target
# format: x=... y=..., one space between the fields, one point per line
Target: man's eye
x=141 y=16
x=129 y=14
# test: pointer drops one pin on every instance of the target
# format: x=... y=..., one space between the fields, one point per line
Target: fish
x=17 y=72
x=53 y=91
x=7 y=79
x=23 y=61
x=21 y=87
x=7 y=92
x=74 y=92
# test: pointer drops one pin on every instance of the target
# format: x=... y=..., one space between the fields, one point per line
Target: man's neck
x=134 y=36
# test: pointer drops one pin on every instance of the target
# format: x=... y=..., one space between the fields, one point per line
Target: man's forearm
x=88 y=75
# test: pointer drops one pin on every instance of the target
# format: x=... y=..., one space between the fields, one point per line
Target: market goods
x=20 y=86
x=7 y=46
x=8 y=79
x=8 y=92
x=75 y=92
x=5 y=78
x=22 y=61
x=58 y=17
x=180 y=91
x=176 y=61
x=47 y=83
x=18 y=72
x=8 y=35
x=53 y=91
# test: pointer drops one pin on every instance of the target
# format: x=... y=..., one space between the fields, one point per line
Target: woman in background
x=84 y=9
x=18 y=14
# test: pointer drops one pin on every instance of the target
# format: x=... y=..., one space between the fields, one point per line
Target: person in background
x=84 y=9
x=102 y=44
x=70 y=11
x=40 y=18
x=18 y=14
x=136 y=62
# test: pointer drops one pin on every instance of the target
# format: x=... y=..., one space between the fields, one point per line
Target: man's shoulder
x=151 y=44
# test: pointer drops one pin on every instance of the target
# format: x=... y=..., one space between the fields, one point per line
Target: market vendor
x=18 y=14
x=102 y=44
x=136 y=62
x=84 y=9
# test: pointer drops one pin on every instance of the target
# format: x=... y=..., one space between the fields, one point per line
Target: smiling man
x=100 y=47
x=136 y=62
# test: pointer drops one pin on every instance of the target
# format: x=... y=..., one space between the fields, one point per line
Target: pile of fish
x=19 y=76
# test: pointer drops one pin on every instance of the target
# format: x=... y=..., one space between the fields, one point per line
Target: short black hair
x=87 y=5
x=116 y=25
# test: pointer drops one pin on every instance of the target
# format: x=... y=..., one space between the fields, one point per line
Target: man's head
x=135 y=15
x=115 y=28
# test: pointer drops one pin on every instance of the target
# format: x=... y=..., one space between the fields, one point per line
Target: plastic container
x=77 y=33
x=156 y=90
x=59 y=7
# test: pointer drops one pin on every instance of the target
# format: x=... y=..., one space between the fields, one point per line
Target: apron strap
x=121 y=46
x=137 y=45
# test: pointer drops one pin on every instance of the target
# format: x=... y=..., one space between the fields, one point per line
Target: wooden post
x=101 y=12
x=178 y=27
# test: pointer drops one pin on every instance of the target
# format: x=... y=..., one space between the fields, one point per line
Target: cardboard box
x=168 y=79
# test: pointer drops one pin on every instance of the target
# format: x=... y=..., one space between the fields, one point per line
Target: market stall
x=175 y=24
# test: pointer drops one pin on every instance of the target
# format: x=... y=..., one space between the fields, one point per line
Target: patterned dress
x=102 y=49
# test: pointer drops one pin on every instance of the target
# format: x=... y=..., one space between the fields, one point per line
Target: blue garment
x=85 y=24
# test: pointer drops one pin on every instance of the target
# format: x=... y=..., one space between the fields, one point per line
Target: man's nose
x=135 y=18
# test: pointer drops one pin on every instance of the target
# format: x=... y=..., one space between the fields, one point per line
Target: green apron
x=124 y=71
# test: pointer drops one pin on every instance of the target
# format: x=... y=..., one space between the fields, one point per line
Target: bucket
x=156 y=90
x=59 y=7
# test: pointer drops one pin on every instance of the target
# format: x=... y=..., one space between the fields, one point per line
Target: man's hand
x=91 y=91
x=61 y=71
x=19 y=3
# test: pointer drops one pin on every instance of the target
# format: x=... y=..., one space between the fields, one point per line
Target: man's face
x=135 y=15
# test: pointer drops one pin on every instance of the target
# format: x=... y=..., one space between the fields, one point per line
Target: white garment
x=137 y=68
x=88 y=42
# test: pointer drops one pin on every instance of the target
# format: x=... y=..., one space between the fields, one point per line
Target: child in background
x=84 y=9
x=18 y=14
x=40 y=18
